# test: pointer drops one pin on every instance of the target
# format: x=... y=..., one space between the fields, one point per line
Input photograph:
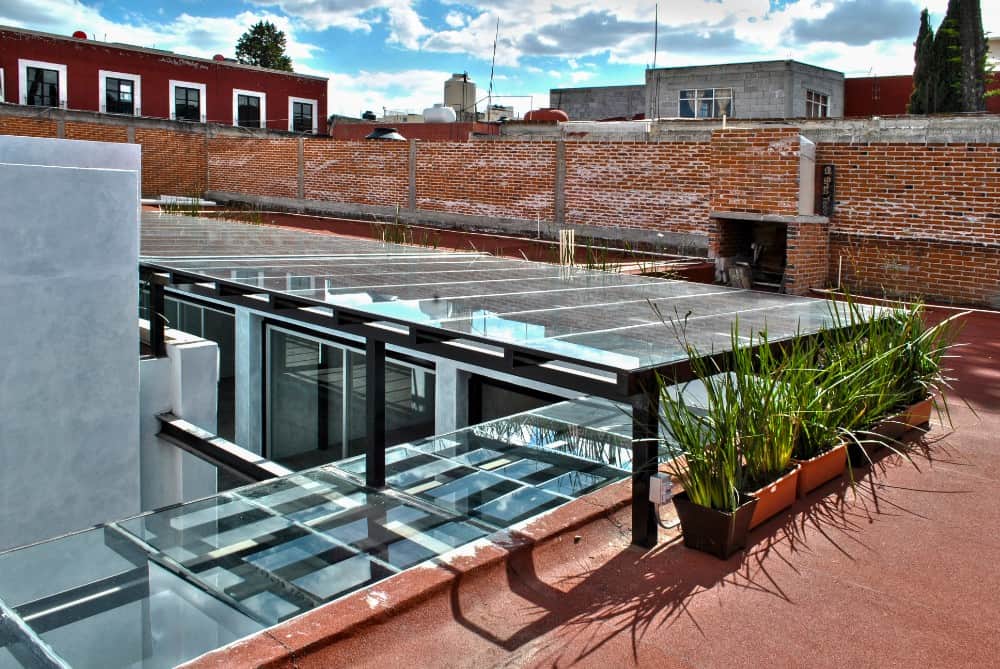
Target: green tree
x=972 y=81
x=263 y=45
x=923 y=71
x=946 y=95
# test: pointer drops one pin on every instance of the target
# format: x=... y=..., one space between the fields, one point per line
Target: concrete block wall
x=600 y=102
x=774 y=89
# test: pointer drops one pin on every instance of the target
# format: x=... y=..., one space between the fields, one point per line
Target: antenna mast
x=656 y=31
x=489 y=95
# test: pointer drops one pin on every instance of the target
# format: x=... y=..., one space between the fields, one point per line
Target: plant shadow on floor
x=637 y=592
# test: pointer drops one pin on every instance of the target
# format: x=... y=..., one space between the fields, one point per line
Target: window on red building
x=119 y=96
x=187 y=104
x=43 y=87
x=248 y=111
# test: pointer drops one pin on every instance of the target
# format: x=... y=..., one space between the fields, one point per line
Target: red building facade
x=76 y=73
x=888 y=96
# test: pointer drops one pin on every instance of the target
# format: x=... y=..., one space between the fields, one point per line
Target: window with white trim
x=42 y=84
x=187 y=101
x=705 y=103
x=302 y=115
x=120 y=93
x=3 y=87
x=249 y=109
x=817 y=105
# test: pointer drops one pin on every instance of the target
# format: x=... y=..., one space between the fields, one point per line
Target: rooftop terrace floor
x=899 y=571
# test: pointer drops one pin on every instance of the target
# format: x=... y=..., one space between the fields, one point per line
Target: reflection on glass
x=316 y=400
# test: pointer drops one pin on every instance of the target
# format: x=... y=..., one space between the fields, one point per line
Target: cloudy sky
x=397 y=53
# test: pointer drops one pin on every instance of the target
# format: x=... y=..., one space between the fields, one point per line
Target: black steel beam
x=645 y=454
x=375 y=413
x=157 y=314
x=217 y=451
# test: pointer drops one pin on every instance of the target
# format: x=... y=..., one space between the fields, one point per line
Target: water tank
x=385 y=133
x=546 y=114
x=79 y=34
x=460 y=95
x=218 y=57
x=439 y=114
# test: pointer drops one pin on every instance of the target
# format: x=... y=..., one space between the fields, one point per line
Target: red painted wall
x=85 y=58
x=888 y=96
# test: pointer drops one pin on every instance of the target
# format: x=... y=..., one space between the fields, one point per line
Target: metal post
x=645 y=451
x=375 y=413
x=157 y=315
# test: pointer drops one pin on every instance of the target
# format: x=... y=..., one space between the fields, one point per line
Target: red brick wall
x=254 y=166
x=664 y=186
x=500 y=179
x=96 y=132
x=939 y=271
x=27 y=127
x=173 y=162
x=370 y=173
x=755 y=170
x=807 y=257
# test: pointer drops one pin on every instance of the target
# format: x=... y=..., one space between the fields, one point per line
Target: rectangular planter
x=719 y=533
x=825 y=467
x=775 y=497
x=890 y=430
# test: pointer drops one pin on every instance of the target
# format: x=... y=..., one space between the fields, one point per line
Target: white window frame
x=22 y=87
x=291 y=117
x=3 y=87
x=715 y=98
x=102 y=87
x=202 y=98
x=821 y=101
x=237 y=92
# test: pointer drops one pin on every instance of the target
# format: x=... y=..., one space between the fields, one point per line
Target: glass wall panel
x=316 y=400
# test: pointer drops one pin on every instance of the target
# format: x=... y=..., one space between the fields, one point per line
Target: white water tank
x=460 y=95
x=439 y=114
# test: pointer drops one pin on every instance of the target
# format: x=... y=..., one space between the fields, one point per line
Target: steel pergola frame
x=639 y=388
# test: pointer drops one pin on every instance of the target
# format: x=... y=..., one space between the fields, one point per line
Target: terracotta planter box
x=890 y=430
x=775 y=497
x=719 y=533
x=814 y=472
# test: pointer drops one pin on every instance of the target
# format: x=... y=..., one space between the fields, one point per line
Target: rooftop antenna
x=656 y=31
x=489 y=96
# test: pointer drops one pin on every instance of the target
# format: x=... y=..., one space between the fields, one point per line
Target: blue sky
x=397 y=54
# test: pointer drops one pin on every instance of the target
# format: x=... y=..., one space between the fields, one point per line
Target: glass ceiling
x=163 y=587
x=602 y=319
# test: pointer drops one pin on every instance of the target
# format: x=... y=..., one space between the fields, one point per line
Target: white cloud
x=186 y=34
x=456 y=19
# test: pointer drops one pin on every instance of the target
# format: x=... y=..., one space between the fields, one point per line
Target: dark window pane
x=118 y=96
x=187 y=104
x=248 y=111
x=43 y=87
x=302 y=117
x=686 y=110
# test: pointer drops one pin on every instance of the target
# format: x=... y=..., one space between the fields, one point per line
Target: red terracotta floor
x=902 y=570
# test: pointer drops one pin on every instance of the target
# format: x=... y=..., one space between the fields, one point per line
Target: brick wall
x=661 y=186
x=95 y=132
x=917 y=219
x=498 y=179
x=755 y=170
x=369 y=173
x=808 y=250
x=948 y=272
x=27 y=126
x=254 y=165
x=173 y=161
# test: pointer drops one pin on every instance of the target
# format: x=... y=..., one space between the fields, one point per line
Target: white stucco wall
x=69 y=359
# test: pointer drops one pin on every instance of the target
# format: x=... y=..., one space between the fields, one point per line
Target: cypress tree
x=923 y=56
x=973 y=67
x=946 y=96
